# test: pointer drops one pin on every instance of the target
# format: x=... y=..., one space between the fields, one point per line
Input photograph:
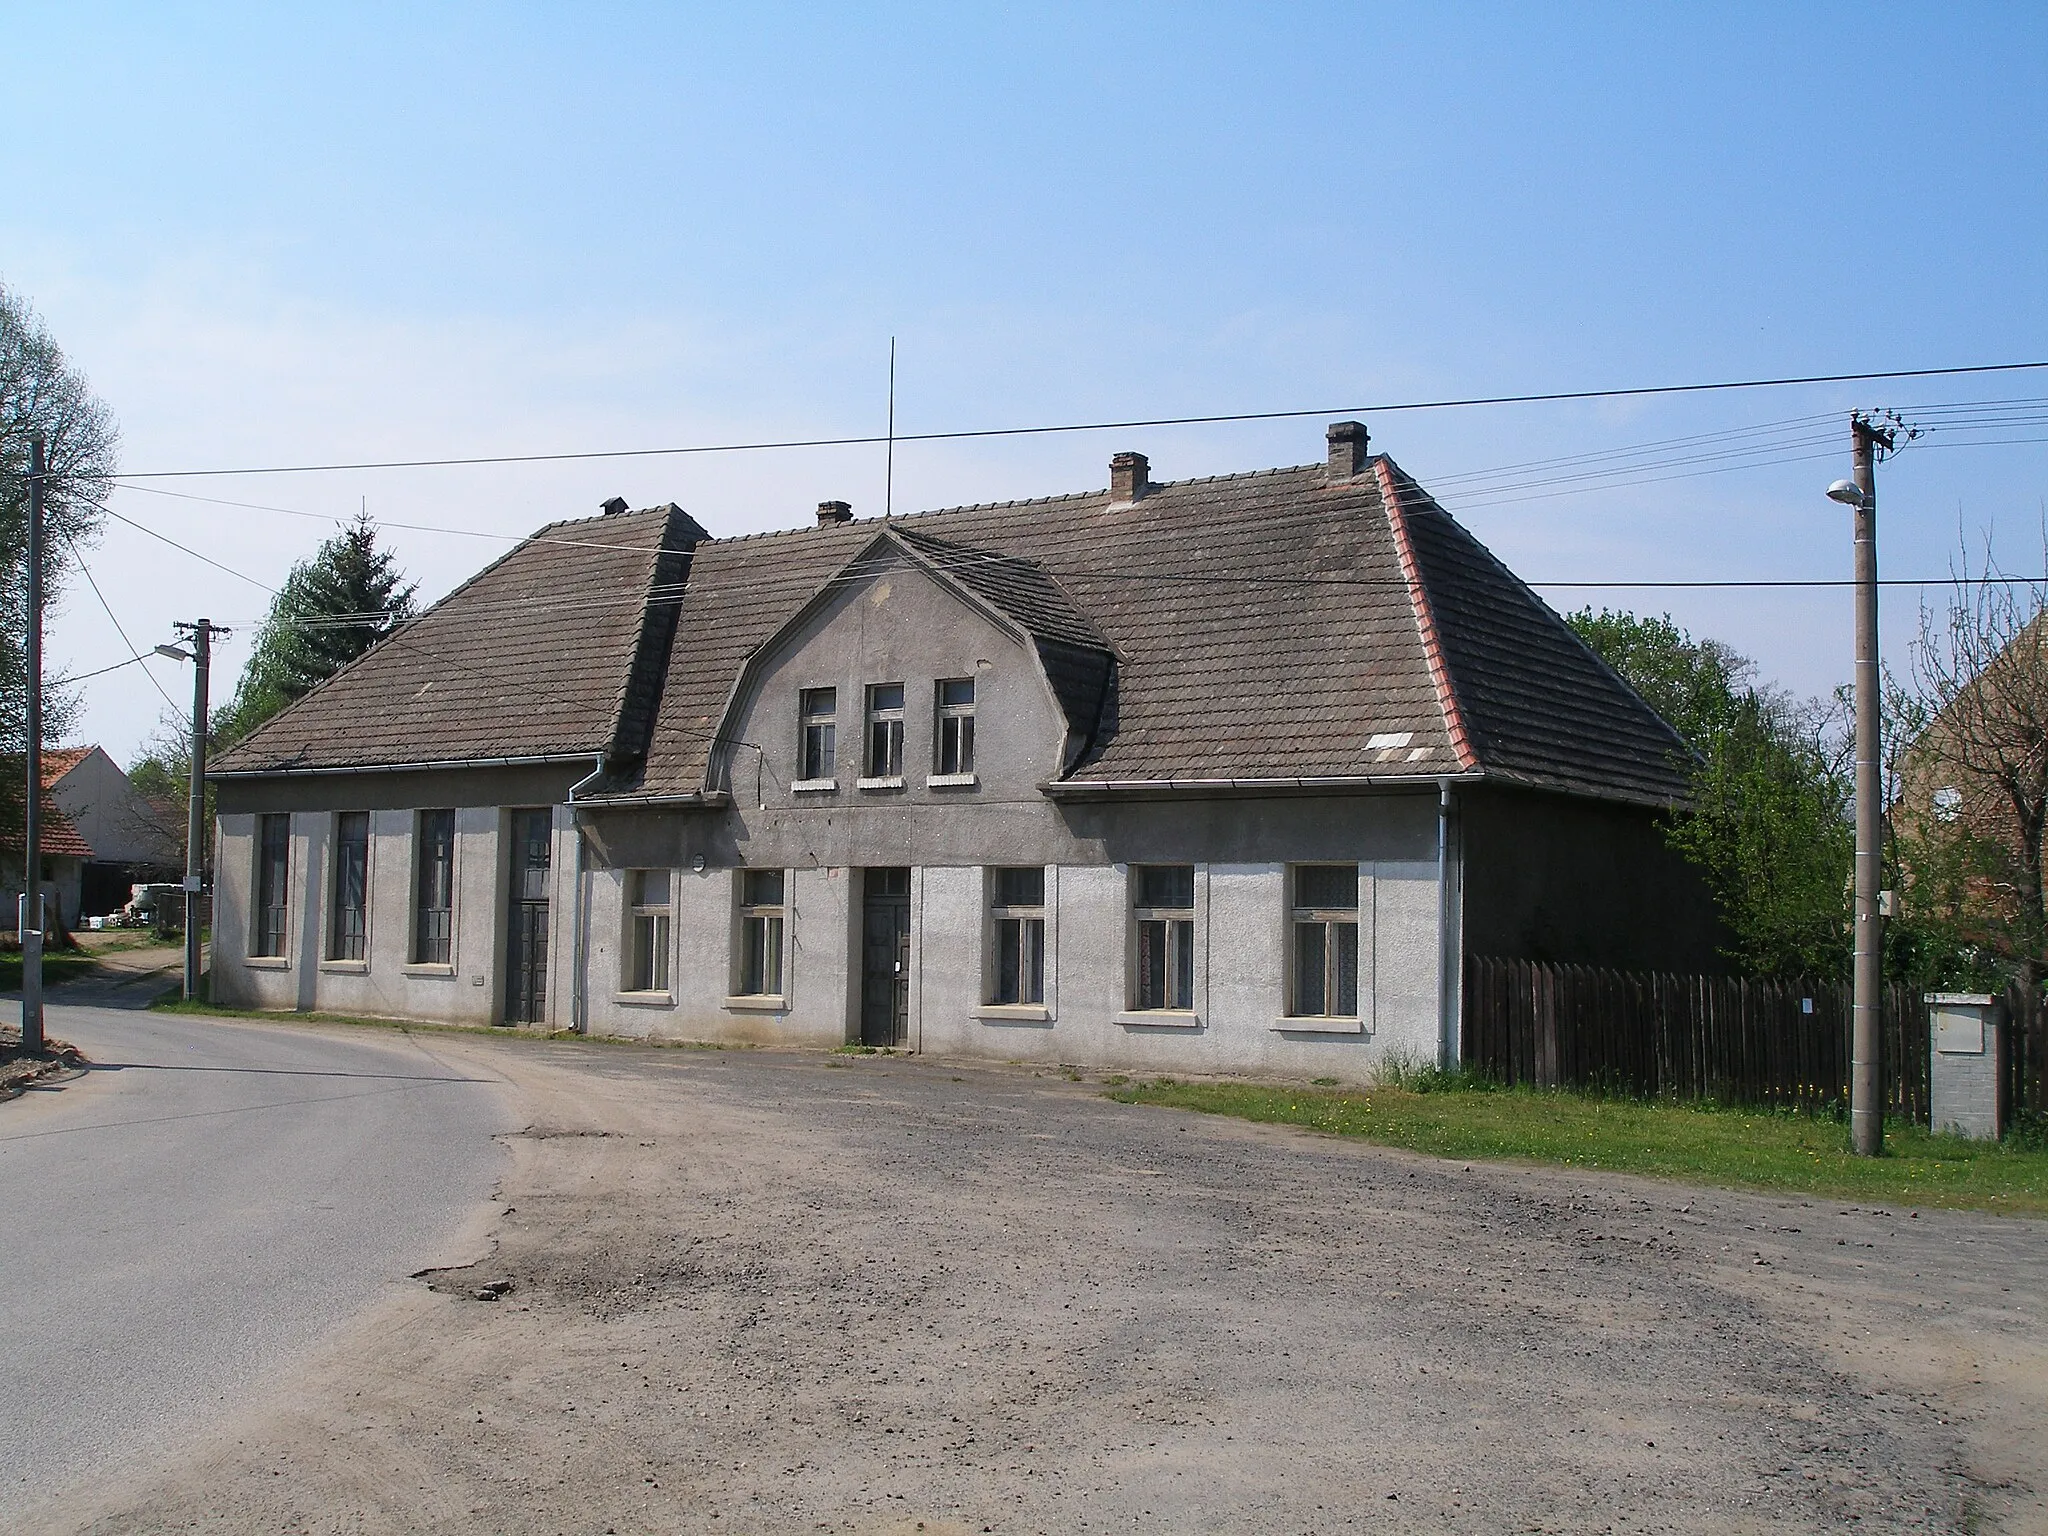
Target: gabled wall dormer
x=912 y=675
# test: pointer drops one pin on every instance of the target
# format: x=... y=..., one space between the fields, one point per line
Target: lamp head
x=174 y=653
x=1847 y=492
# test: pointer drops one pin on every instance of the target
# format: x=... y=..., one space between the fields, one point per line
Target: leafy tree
x=332 y=608
x=1768 y=823
x=40 y=391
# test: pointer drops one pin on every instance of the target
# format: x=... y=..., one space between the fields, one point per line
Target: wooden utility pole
x=32 y=911
x=202 y=634
x=1866 y=1071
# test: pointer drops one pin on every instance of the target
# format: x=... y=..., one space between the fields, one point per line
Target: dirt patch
x=20 y=1070
x=748 y=1293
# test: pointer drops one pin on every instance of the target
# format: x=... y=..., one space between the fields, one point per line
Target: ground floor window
x=1163 y=912
x=433 y=928
x=273 y=858
x=761 y=918
x=348 y=930
x=1325 y=923
x=647 y=896
x=1017 y=908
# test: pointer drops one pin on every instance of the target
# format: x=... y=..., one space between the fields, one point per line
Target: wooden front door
x=885 y=957
x=526 y=945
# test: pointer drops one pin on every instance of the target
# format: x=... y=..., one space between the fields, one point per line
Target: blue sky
x=271 y=237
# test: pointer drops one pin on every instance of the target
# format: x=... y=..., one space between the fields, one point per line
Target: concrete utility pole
x=32 y=910
x=1866 y=1070
x=202 y=634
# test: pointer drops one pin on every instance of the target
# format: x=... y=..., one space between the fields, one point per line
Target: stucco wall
x=1238 y=1023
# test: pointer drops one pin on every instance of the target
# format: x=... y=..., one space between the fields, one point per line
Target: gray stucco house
x=1217 y=775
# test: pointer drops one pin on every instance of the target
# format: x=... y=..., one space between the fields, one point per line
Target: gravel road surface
x=196 y=1213
x=767 y=1292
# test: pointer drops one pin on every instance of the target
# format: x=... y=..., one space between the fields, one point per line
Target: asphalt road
x=184 y=1222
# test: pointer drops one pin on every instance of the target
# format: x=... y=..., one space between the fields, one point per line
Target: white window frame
x=1033 y=933
x=882 y=726
x=760 y=939
x=647 y=947
x=952 y=728
x=817 y=770
x=1332 y=920
x=1182 y=924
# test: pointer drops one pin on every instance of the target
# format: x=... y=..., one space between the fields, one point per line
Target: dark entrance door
x=885 y=957
x=526 y=945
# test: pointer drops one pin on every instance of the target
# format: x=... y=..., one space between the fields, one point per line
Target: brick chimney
x=1347 y=449
x=614 y=507
x=833 y=513
x=1128 y=477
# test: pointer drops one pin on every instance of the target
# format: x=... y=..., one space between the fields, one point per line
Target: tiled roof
x=1277 y=625
x=58 y=761
x=54 y=832
x=556 y=648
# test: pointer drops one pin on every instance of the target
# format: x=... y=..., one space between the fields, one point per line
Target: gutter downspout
x=1449 y=960
x=579 y=1003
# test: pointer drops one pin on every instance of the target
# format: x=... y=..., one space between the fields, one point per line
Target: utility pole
x=1866 y=1069
x=32 y=909
x=202 y=634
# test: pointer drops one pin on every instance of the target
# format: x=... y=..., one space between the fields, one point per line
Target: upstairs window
x=885 y=731
x=761 y=918
x=433 y=928
x=1163 y=908
x=1017 y=908
x=1948 y=803
x=818 y=708
x=1325 y=941
x=273 y=861
x=954 y=745
x=348 y=930
x=647 y=898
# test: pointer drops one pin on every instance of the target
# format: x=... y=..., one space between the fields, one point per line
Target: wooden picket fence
x=1727 y=1039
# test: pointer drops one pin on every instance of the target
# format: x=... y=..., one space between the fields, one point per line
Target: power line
x=135 y=656
x=1217 y=419
x=185 y=549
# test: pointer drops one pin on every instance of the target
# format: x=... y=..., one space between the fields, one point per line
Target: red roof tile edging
x=1425 y=617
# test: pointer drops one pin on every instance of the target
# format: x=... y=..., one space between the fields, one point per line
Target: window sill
x=267 y=963
x=814 y=786
x=1014 y=1013
x=758 y=1002
x=423 y=968
x=1159 y=1018
x=951 y=781
x=1320 y=1026
x=645 y=999
x=346 y=967
x=893 y=781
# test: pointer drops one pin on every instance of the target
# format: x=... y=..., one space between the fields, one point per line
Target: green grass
x=58 y=966
x=1740 y=1148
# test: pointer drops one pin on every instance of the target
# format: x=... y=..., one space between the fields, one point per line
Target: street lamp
x=1847 y=492
x=203 y=634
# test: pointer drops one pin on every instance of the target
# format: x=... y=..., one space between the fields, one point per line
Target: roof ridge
x=1425 y=614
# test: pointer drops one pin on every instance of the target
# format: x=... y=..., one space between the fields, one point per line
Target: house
x=1213 y=775
x=1973 y=793
x=64 y=856
x=128 y=837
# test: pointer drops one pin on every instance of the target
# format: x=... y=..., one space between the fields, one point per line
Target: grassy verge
x=1742 y=1148
x=58 y=966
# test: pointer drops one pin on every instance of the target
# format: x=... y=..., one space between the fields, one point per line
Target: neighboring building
x=64 y=856
x=127 y=835
x=1218 y=775
x=99 y=836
